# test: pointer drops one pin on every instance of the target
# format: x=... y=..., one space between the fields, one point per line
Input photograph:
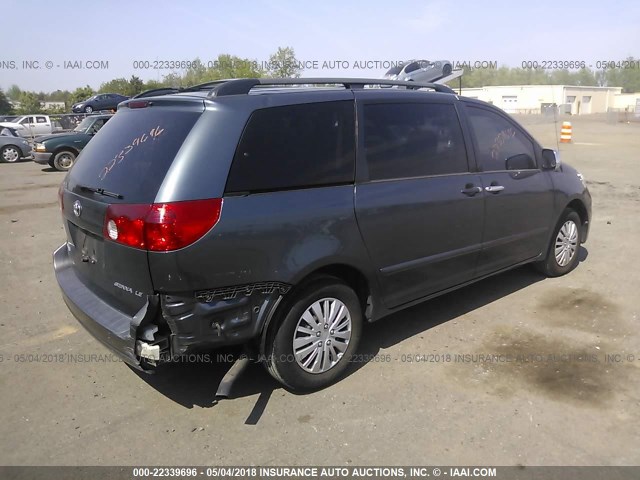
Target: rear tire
x=316 y=334
x=10 y=154
x=563 y=250
x=64 y=160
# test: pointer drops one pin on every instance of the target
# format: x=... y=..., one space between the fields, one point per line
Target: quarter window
x=295 y=146
x=497 y=140
x=413 y=140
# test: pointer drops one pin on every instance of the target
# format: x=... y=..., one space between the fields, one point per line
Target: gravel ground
x=575 y=401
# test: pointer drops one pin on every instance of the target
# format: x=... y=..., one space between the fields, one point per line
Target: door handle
x=494 y=188
x=469 y=190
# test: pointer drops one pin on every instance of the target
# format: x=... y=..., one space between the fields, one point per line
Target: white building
x=569 y=98
x=49 y=105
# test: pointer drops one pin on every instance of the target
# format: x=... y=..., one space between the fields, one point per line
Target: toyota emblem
x=77 y=208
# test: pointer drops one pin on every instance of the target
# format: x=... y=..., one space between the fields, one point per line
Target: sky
x=116 y=33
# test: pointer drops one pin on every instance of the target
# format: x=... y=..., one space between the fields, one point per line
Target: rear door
x=128 y=160
x=419 y=209
x=101 y=101
x=42 y=125
x=518 y=194
x=110 y=101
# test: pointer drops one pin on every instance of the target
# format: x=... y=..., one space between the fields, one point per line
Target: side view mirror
x=550 y=159
x=521 y=161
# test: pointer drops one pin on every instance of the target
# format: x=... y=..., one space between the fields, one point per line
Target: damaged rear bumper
x=169 y=326
x=108 y=325
x=223 y=319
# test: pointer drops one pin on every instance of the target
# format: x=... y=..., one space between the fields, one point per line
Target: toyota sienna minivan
x=284 y=214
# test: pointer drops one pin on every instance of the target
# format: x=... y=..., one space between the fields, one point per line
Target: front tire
x=64 y=160
x=10 y=154
x=562 y=253
x=88 y=109
x=316 y=334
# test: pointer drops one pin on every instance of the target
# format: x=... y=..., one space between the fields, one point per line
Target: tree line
x=283 y=63
x=627 y=77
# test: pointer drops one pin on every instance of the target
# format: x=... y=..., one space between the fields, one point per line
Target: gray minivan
x=283 y=214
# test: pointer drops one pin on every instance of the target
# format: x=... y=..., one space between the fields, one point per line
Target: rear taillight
x=161 y=227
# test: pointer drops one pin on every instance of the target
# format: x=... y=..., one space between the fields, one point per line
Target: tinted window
x=41 y=120
x=132 y=152
x=497 y=139
x=413 y=140
x=97 y=125
x=412 y=67
x=295 y=146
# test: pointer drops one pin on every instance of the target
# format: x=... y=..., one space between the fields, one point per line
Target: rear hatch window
x=124 y=163
x=132 y=153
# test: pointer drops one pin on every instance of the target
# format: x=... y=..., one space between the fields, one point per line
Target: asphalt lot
x=61 y=407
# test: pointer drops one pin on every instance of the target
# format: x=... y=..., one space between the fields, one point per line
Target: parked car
x=32 y=125
x=60 y=150
x=286 y=218
x=102 y=101
x=12 y=146
x=8 y=118
x=420 y=70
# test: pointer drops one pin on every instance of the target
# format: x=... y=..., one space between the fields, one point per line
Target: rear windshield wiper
x=100 y=191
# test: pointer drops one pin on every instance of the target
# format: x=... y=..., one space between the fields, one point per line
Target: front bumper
x=42 y=157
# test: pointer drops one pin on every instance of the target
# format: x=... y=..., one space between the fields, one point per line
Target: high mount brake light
x=139 y=104
x=161 y=227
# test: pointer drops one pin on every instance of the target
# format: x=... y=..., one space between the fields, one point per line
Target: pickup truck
x=60 y=150
x=32 y=125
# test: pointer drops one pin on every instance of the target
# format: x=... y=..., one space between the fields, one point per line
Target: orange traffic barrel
x=565 y=132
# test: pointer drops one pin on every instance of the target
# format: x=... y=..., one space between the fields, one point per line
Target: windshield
x=396 y=70
x=7 y=132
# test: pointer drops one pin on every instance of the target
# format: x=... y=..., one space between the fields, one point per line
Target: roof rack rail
x=240 y=86
x=157 y=92
x=244 y=85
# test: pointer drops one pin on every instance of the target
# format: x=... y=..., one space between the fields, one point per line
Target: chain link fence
x=623 y=115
